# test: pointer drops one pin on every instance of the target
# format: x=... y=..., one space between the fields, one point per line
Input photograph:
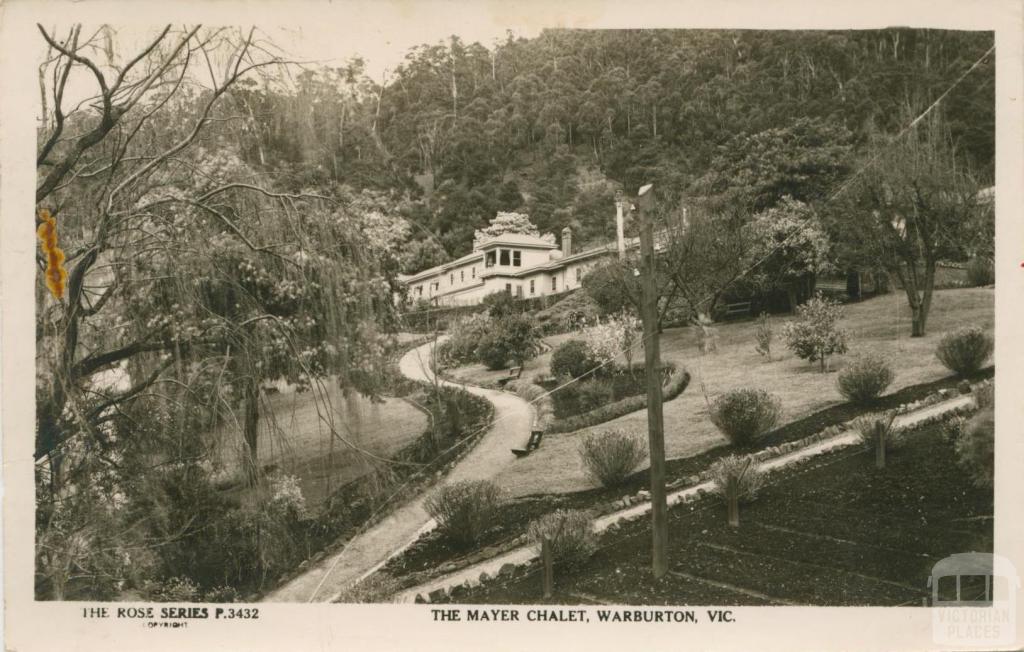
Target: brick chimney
x=566 y=242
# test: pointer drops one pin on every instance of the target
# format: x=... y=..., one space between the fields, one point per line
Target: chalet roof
x=518 y=240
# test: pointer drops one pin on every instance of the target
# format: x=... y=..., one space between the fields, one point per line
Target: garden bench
x=535 y=437
x=738 y=308
x=513 y=374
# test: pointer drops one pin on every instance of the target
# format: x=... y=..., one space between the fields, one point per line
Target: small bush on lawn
x=570 y=533
x=764 y=335
x=572 y=359
x=975 y=448
x=980 y=272
x=814 y=334
x=965 y=350
x=743 y=415
x=865 y=379
x=611 y=456
x=465 y=510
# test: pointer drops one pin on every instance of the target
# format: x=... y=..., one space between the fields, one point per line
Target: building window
x=508 y=288
x=504 y=257
x=579 y=275
x=519 y=291
x=462 y=276
x=517 y=260
x=419 y=290
x=531 y=287
x=490 y=259
x=451 y=279
x=554 y=283
x=472 y=272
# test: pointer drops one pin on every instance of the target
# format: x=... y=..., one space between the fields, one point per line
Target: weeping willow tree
x=174 y=282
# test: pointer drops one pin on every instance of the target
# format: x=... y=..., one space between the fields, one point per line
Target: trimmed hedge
x=676 y=385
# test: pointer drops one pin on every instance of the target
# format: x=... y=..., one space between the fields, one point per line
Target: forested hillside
x=553 y=125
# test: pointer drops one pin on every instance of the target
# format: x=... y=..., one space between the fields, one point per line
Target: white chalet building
x=523 y=265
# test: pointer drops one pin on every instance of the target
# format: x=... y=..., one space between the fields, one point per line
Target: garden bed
x=431 y=556
x=833 y=532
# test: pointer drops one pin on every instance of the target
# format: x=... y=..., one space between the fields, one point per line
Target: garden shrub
x=594 y=393
x=975 y=448
x=736 y=476
x=221 y=594
x=615 y=335
x=736 y=479
x=980 y=272
x=985 y=395
x=611 y=456
x=707 y=334
x=572 y=359
x=764 y=335
x=465 y=510
x=463 y=339
x=376 y=588
x=953 y=427
x=513 y=337
x=965 y=350
x=174 y=589
x=743 y=415
x=500 y=304
x=877 y=434
x=570 y=533
x=865 y=379
x=814 y=334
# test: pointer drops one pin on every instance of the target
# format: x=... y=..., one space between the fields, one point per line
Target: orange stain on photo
x=56 y=275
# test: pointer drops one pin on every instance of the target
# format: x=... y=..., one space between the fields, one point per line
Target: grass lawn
x=295 y=437
x=872 y=325
x=835 y=532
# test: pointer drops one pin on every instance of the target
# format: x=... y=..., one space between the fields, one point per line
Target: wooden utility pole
x=652 y=360
x=549 y=567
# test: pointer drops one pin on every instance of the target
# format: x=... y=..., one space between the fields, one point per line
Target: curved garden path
x=369 y=550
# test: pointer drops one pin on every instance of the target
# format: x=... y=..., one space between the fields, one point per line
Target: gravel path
x=524 y=554
x=369 y=550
